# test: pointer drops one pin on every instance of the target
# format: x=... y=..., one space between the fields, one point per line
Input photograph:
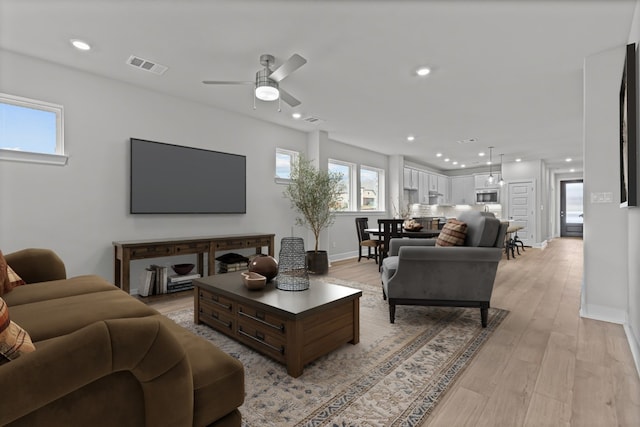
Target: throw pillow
x=452 y=234
x=9 y=279
x=14 y=341
x=4 y=279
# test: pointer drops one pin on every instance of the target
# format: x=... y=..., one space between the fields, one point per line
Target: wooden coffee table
x=293 y=327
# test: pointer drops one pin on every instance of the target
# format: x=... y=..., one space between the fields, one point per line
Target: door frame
x=535 y=224
x=562 y=213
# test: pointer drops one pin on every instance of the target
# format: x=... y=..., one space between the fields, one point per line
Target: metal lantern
x=292 y=265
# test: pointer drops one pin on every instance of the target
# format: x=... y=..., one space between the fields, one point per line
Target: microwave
x=487 y=196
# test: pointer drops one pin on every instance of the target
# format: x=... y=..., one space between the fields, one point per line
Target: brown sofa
x=104 y=358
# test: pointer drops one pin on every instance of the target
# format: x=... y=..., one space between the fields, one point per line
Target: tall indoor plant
x=315 y=194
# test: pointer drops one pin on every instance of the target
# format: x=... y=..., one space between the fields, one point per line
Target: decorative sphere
x=265 y=265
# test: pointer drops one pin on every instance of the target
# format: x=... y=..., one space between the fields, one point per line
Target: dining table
x=416 y=234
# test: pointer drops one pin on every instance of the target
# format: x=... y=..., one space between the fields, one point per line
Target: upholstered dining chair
x=388 y=229
x=365 y=241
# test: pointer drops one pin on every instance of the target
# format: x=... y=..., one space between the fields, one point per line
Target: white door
x=522 y=211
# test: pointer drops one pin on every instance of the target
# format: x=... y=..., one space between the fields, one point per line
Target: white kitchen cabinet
x=482 y=181
x=444 y=188
x=463 y=190
x=411 y=179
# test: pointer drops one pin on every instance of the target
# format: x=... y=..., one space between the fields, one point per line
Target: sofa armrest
x=141 y=346
x=396 y=244
x=37 y=265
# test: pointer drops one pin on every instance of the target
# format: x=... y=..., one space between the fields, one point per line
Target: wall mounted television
x=174 y=179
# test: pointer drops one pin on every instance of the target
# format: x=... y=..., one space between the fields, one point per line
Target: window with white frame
x=31 y=130
x=371 y=188
x=284 y=160
x=347 y=170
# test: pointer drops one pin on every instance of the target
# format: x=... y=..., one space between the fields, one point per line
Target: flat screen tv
x=173 y=179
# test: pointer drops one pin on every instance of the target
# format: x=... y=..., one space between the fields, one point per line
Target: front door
x=571 y=208
x=521 y=209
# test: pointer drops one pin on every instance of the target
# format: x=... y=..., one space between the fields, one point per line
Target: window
x=347 y=170
x=31 y=131
x=371 y=189
x=284 y=160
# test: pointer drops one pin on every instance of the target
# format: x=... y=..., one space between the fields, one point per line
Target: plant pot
x=317 y=262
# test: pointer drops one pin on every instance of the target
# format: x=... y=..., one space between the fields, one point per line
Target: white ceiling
x=505 y=73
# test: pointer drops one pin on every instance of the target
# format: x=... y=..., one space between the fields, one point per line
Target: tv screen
x=172 y=179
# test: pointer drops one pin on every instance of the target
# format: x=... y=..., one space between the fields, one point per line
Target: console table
x=126 y=251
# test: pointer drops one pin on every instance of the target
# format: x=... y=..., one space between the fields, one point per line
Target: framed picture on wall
x=629 y=158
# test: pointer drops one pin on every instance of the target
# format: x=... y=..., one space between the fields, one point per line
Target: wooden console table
x=126 y=251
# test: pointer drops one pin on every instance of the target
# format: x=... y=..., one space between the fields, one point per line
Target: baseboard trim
x=604 y=314
x=633 y=345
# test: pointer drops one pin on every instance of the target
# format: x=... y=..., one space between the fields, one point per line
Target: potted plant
x=315 y=194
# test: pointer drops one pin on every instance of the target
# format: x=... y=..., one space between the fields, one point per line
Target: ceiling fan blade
x=221 y=82
x=296 y=61
x=288 y=98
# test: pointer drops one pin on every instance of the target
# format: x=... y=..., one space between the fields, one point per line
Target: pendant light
x=490 y=179
x=501 y=182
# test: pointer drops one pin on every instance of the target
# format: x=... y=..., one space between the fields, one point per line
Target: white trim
x=30 y=157
x=603 y=313
x=633 y=345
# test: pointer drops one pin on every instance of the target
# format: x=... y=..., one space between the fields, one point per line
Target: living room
x=79 y=209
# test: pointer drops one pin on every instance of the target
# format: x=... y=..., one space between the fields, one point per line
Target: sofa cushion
x=452 y=234
x=45 y=291
x=14 y=341
x=217 y=377
x=60 y=316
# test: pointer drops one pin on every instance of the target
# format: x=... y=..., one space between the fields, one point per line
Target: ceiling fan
x=267 y=87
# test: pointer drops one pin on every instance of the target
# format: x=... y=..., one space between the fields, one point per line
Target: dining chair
x=387 y=230
x=364 y=240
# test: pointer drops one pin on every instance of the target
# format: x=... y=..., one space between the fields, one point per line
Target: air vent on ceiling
x=312 y=119
x=146 y=65
x=467 y=141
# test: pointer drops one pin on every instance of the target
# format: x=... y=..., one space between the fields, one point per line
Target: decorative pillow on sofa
x=14 y=341
x=452 y=234
x=9 y=279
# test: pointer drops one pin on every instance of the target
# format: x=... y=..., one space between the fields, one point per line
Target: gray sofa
x=419 y=273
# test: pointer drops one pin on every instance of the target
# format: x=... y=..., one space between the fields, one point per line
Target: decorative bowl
x=414 y=228
x=182 y=269
x=253 y=280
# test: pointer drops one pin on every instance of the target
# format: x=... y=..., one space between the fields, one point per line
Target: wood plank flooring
x=544 y=366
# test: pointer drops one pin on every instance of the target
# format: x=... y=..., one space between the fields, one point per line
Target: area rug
x=395 y=376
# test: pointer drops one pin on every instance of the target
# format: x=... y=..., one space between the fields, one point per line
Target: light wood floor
x=544 y=365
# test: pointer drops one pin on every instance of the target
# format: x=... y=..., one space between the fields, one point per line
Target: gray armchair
x=419 y=273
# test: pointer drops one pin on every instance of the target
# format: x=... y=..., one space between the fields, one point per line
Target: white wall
x=604 y=293
x=633 y=255
x=341 y=239
x=79 y=209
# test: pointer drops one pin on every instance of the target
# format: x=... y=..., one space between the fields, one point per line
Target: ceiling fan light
x=267 y=93
x=266 y=89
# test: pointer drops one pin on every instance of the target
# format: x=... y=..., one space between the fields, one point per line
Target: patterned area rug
x=395 y=376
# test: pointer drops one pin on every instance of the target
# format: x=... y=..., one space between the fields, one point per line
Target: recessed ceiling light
x=463 y=165
x=447 y=159
x=438 y=154
x=455 y=162
x=489 y=163
x=572 y=170
x=518 y=159
x=80 y=45
x=481 y=154
x=296 y=115
x=423 y=71
x=568 y=159
x=411 y=138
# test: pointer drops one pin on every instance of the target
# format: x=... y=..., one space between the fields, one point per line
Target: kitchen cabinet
x=463 y=190
x=444 y=188
x=481 y=181
x=411 y=179
x=423 y=187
